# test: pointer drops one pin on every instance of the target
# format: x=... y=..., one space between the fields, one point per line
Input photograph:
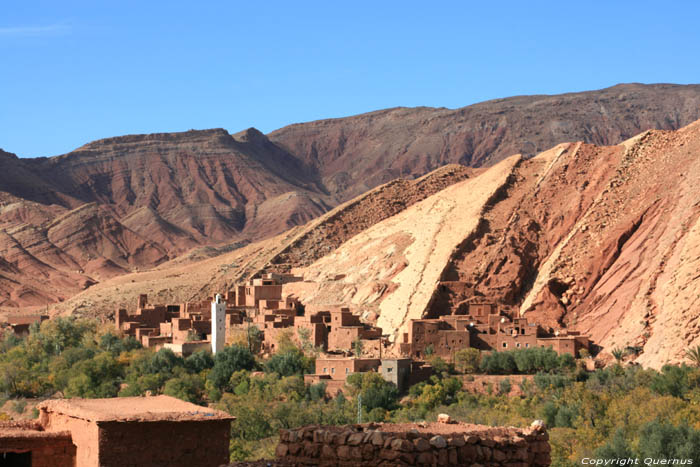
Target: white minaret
x=218 y=327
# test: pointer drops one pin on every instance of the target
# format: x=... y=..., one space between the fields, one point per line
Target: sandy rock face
x=393 y=266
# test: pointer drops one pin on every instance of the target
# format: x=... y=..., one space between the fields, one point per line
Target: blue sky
x=75 y=71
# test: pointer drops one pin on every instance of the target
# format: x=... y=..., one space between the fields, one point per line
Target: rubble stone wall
x=382 y=445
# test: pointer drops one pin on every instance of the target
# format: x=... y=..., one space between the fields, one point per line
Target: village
x=345 y=344
x=79 y=430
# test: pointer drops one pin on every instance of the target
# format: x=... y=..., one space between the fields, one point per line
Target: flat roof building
x=139 y=431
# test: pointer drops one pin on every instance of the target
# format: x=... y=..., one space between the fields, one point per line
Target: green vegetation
x=526 y=361
x=614 y=412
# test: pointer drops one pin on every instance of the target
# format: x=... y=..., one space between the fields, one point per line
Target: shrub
x=228 y=361
x=665 y=441
x=504 y=387
x=291 y=362
x=468 y=360
x=199 y=361
x=186 y=387
x=375 y=390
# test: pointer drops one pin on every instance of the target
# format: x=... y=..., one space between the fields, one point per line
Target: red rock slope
x=605 y=240
x=120 y=204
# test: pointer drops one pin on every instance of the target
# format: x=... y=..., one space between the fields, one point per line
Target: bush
x=291 y=362
x=665 y=441
x=199 y=361
x=468 y=360
x=186 y=387
x=498 y=363
x=227 y=361
x=504 y=387
x=673 y=380
x=375 y=390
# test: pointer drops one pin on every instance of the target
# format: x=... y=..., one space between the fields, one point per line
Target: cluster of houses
x=188 y=327
x=338 y=334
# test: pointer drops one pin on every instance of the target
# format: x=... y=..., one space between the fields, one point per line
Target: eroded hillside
x=202 y=270
x=133 y=202
x=600 y=239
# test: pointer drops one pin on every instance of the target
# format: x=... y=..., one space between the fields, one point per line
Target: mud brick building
x=19 y=324
x=334 y=330
x=119 y=432
x=334 y=371
x=483 y=327
x=184 y=327
x=28 y=444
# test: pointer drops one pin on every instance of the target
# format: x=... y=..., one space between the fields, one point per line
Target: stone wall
x=427 y=444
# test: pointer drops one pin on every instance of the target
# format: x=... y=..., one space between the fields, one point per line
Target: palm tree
x=693 y=354
x=618 y=353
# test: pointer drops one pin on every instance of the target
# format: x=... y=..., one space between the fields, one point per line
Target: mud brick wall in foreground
x=389 y=445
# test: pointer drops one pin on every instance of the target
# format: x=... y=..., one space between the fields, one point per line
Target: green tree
x=228 y=361
x=618 y=354
x=199 y=361
x=289 y=363
x=659 y=440
x=255 y=339
x=468 y=360
x=185 y=387
x=375 y=390
x=358 y=347
x=504 y=387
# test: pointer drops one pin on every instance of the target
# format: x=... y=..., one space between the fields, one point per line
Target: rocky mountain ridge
x=129 y=203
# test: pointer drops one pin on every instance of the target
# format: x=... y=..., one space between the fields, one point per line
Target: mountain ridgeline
x=130 y=203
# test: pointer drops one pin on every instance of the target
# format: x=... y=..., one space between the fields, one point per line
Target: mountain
x=120 y=204
x=132 y=203
x=357 y=153
x=600 y=239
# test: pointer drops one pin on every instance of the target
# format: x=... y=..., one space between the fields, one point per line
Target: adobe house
x=184 y=328
x=132 y=431
x=440 y=335
x=403 y=372
x=345 y=328
x=27 y=444
x=483 y=327
x=19 y=324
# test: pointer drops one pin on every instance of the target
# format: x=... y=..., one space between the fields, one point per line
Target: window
x=522 y=331
x=325 y=370
x=518 y=344
x=333 y=370
x=527 y=345
x=347 y=370
x=505 y=345
x=389 y=370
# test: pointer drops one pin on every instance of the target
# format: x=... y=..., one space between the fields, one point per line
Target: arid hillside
x=356 y=153
x=132 y=203
x=122 y=204
x=199 y=272
x=601 y=239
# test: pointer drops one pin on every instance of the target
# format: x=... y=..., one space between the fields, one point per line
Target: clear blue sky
x=75 y=71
